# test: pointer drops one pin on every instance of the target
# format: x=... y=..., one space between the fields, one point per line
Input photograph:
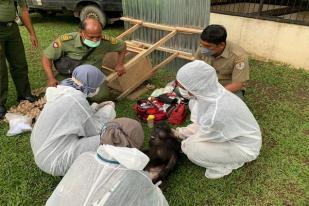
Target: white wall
x=268 y=40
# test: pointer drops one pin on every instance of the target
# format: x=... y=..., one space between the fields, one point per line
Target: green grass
x=277 y=95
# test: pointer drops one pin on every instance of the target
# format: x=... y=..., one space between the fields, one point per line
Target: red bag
x=177 y=115
x=144 y=108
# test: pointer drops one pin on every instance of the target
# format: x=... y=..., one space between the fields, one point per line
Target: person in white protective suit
x=224 y=134
x=68 y=125
x=111 y=176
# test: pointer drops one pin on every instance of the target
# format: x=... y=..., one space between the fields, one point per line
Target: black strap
x=88 y=54
x=65 y=65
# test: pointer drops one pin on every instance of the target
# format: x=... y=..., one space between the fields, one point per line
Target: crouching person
x=224 y=133
x=68 y=125
x=110 y=176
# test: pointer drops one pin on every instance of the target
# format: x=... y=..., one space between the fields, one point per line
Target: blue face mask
x=91 y=44
x=207 y=52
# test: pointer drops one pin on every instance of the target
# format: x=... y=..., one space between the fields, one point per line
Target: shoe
x=2 y=112
x=31 y=98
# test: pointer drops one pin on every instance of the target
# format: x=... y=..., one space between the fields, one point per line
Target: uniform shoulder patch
x=240 y=65
x=57 y=43
x=66 y=37
x=112 y=40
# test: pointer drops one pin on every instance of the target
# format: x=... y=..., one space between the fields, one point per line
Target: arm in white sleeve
x=212 y=133
x=106 y=113
x=185 y=132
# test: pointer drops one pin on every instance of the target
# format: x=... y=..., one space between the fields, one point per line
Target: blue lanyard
x=106 y=160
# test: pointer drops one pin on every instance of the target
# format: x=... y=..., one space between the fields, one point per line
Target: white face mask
x=94 y=93
x=185 y=94
x=92 y=44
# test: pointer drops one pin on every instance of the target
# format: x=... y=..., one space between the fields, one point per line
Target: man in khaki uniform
x=229 y=60
x=12 y=51
x=89 y=47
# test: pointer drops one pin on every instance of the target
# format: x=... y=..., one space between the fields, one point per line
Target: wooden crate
x=138 y=65
x=138 y=72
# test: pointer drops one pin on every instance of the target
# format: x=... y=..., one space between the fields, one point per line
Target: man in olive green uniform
x=12 y=51
x=89 y=43
x=229 y=60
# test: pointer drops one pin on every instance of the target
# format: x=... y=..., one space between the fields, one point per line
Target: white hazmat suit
x=67 y=127
x=112 y=176
x=224 y=134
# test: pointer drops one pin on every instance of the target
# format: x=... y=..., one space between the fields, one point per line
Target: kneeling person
x=88 y=46
x=224 y=134
x=68 y=125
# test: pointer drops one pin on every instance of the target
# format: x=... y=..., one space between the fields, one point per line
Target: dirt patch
x=287 y=203
x=291 y=190
x=306 y=132
x=302 y=95
x=271 y=91
x=269 y=143
x=306 y=162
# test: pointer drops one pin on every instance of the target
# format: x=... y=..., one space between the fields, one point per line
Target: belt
x=7 y=24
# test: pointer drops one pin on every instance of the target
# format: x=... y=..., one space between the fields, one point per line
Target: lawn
x=277 y=95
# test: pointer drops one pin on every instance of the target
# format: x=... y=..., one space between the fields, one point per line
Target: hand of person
x=34 y=41
x=52 y=82
x=103 y=104
x=177 y=134
x=120 y=70
x=97 y=106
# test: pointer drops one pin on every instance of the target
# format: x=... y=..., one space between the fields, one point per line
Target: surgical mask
x=94 y=93
x=207 y=52
x=184 y=93
x=91 y=44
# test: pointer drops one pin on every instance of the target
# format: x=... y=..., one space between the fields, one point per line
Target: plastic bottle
x=150 y=121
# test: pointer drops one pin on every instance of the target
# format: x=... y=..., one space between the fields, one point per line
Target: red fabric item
x=144 y=108
x=178 y=115
x=175 y=114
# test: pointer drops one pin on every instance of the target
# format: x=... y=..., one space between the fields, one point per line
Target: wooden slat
x=147 y=76
x=134 y=48
x=129 y=31
x=181 y=54
x=108 y=69
x=162 y=27
x=131 y=63
x=138 y=92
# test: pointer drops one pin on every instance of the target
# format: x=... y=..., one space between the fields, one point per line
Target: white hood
x=53 y=93
x=130 y=158
x=201 y=80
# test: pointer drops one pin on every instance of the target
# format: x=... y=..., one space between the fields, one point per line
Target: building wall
x=268 y=40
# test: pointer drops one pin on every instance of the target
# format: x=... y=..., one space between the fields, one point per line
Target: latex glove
x=97 y=106
x=176 y=132
x=103 y=104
